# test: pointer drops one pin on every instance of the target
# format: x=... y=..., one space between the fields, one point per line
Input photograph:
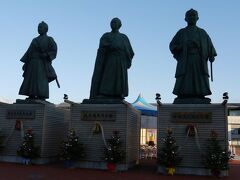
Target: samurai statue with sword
x=38 y=70
x=192 y=48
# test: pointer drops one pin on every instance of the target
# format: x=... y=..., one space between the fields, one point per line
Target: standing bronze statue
x=192 y=48
x=38 y=70
x=114 y=58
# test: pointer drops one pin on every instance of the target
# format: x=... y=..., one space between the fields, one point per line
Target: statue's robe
x=38 y=71
x=192 y=48
x=114 y=57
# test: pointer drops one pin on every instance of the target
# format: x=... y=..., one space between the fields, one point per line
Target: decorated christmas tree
x=168 y=155
x=216 y=158
x=72 y=149
x=114 y=152
x=27 y=148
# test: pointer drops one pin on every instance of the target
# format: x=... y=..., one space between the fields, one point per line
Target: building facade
x=234 y=129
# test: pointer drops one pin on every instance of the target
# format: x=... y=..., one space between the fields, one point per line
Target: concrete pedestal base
x=110 y=117
x=48 y=124
x=203 y=118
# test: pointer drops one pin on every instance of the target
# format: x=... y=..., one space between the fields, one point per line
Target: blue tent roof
x=145 y=108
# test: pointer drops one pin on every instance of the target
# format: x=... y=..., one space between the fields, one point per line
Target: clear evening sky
x=77 y=25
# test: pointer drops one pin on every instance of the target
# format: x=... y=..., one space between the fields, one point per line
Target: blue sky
x=77 y=25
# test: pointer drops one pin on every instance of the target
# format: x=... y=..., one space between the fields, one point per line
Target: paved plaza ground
x=145 y=171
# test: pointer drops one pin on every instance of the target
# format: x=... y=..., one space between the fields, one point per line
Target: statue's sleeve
x=211 y=50
x=175 y=45
x=208 y=50
x=102 y=50
x=129 y=51
x=52 y=51
x=98 y=67
x=26 y=56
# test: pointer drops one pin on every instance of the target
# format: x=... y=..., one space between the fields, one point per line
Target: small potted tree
x=215 y=158
x=71 y=150
x=168 y=155
x=27 y=149
x=114 y=153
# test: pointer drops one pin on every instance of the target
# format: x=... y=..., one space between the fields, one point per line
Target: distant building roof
x=63 y=105
x=145 y=108
x=233 y=106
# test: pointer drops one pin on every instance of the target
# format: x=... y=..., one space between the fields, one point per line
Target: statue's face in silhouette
x=116 y=24
x=191 y=17
x=42 y=28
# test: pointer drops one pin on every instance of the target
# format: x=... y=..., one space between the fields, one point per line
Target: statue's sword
x=211 y=71
x=57 y=83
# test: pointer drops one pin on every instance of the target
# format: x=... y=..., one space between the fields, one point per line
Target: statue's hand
x=176 y=51
x=211 y=59
x=178 y=48
x=129 y=65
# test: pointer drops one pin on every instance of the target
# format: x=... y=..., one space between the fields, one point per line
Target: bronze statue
x=114 y=58
x=38 y=70
x=192 y=48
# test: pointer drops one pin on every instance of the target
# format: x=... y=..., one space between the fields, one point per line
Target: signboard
x=202 y=117
x=98 y=115
x=20 y=114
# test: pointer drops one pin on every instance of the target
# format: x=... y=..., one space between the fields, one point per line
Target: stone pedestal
x=48 y=123
x=111 y=117
x=205 y=118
